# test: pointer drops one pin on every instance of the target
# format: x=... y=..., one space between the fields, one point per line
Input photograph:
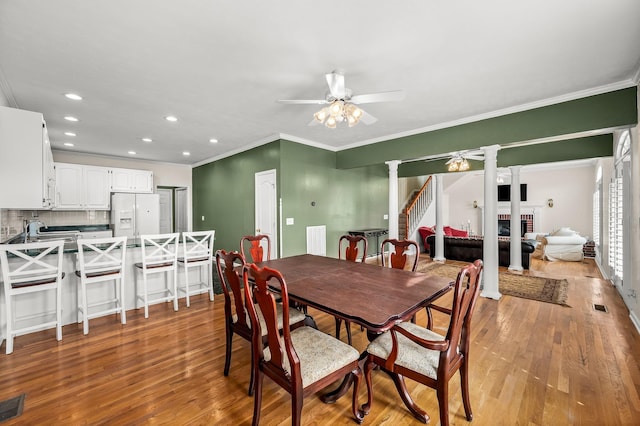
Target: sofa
x=563 y=244
x=426 y=231
x=470 y=249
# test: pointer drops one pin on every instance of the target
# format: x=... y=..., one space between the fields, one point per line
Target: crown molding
x=6 y=90
x=624 y=84
x=255 y=144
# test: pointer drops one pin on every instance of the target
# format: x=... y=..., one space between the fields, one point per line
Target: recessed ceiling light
x=213 y=140
x=70 y=118
x=171 y=118
x=132 y=153
x=68 y=144
x=73 y=96
x=69 y=133
x=186 y=153
x=147 y=140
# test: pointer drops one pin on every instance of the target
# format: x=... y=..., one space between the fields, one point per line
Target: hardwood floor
x=532 y=363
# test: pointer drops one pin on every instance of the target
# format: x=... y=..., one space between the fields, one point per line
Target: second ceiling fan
x=342 y=104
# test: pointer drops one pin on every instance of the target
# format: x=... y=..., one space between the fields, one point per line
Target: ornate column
x=439 y=255
x=515 y=237
x=393 y=198
x=490 y=239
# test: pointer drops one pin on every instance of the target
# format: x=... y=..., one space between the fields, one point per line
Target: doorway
x=266 y=207
x=173 y=209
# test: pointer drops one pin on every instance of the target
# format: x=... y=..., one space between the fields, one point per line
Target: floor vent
x=600 y=308
x=11 y=407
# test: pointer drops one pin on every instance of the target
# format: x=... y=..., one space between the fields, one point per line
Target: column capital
x=393 y=164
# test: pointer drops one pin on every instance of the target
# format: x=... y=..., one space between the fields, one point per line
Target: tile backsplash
x=12 y=221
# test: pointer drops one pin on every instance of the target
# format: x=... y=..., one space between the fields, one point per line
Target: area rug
x=548 y=290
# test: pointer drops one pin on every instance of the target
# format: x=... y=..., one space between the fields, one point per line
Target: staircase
x=417 y=206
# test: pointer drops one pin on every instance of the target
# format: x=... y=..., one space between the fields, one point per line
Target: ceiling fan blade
x=394 y=95
x=313 y=122
x=303 y=101
x=474 y=157
x=451 y=160
x=335 y=80
x=367 y=118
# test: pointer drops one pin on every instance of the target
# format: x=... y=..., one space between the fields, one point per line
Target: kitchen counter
x=70 y=285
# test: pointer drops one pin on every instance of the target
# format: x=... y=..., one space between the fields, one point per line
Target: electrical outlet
x=289 y=221
x=385 y=217
x=203 y=218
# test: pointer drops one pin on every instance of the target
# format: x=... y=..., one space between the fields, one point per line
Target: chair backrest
x=465 y=295
x=101 y=256
x=283 y=357
x=229 y=266
x=31 y=264
x=402 y=250
x=351 y=250
x=159 y=250
x=198 y=246
x=255 y=251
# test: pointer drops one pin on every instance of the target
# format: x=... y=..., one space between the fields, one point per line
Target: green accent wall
x=571 y=149
x=344 y=199
x=605 y=111
x=223 y=191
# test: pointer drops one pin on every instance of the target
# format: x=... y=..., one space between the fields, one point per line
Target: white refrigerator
x=133 y=215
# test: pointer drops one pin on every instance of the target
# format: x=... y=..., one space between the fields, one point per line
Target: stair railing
x=418 y=207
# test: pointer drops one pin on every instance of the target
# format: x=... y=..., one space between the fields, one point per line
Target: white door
x=266 y=207
x=166 y=210
x=182 y=222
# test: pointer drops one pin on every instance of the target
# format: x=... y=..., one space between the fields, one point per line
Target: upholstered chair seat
x=410 y=354
x=319 y=354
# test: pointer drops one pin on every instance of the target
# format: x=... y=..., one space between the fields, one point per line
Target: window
x=616 y=209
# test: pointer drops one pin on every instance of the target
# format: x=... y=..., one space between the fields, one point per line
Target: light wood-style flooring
x=532 y=363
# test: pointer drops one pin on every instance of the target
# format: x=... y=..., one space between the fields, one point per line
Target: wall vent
x=317 y=240
x=600 y=308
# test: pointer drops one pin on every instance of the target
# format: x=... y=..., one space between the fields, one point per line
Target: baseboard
x=635 y=320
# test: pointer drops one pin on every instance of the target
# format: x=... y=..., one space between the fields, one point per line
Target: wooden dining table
x=372 y=296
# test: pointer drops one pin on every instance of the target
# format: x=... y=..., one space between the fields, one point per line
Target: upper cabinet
x=131 y=180
x=80 y=187
x=26 y=162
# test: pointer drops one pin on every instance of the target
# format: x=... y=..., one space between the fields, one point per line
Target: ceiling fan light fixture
x=464 y=165
x=336 y=109
x=331 y=122
x=321 y=115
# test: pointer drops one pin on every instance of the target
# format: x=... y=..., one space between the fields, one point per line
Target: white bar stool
x=101 y=260
x=159 y=254
x=30 y=268
x=198 y=253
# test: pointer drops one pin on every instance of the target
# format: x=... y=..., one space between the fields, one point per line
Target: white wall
x=164 y=174
x=570 y=187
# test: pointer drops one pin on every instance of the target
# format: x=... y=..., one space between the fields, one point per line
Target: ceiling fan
x=341 y=103
x=457 y=160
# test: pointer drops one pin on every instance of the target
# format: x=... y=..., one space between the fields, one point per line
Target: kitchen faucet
x=32 y=229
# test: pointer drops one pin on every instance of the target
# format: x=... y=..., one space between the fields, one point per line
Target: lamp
x=338 y=112
x=458 y=164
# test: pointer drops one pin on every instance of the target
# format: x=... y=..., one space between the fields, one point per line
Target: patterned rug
x=548 y=290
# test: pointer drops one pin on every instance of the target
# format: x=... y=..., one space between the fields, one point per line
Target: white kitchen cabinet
x=80 y=187
x=131 y=180
x=26 y=162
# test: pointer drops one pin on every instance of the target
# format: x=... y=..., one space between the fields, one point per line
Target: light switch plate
x=386 y=217
x=203 y=218
x=289 y=221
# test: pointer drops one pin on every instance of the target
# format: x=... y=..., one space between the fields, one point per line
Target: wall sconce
x=550 y=202
x=475 y=204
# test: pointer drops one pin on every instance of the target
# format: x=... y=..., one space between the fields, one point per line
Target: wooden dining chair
x=252 y=248
x=236 y=314
x=301 y=361
x=409 y=350
x=396 y=253
x=352 y=245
